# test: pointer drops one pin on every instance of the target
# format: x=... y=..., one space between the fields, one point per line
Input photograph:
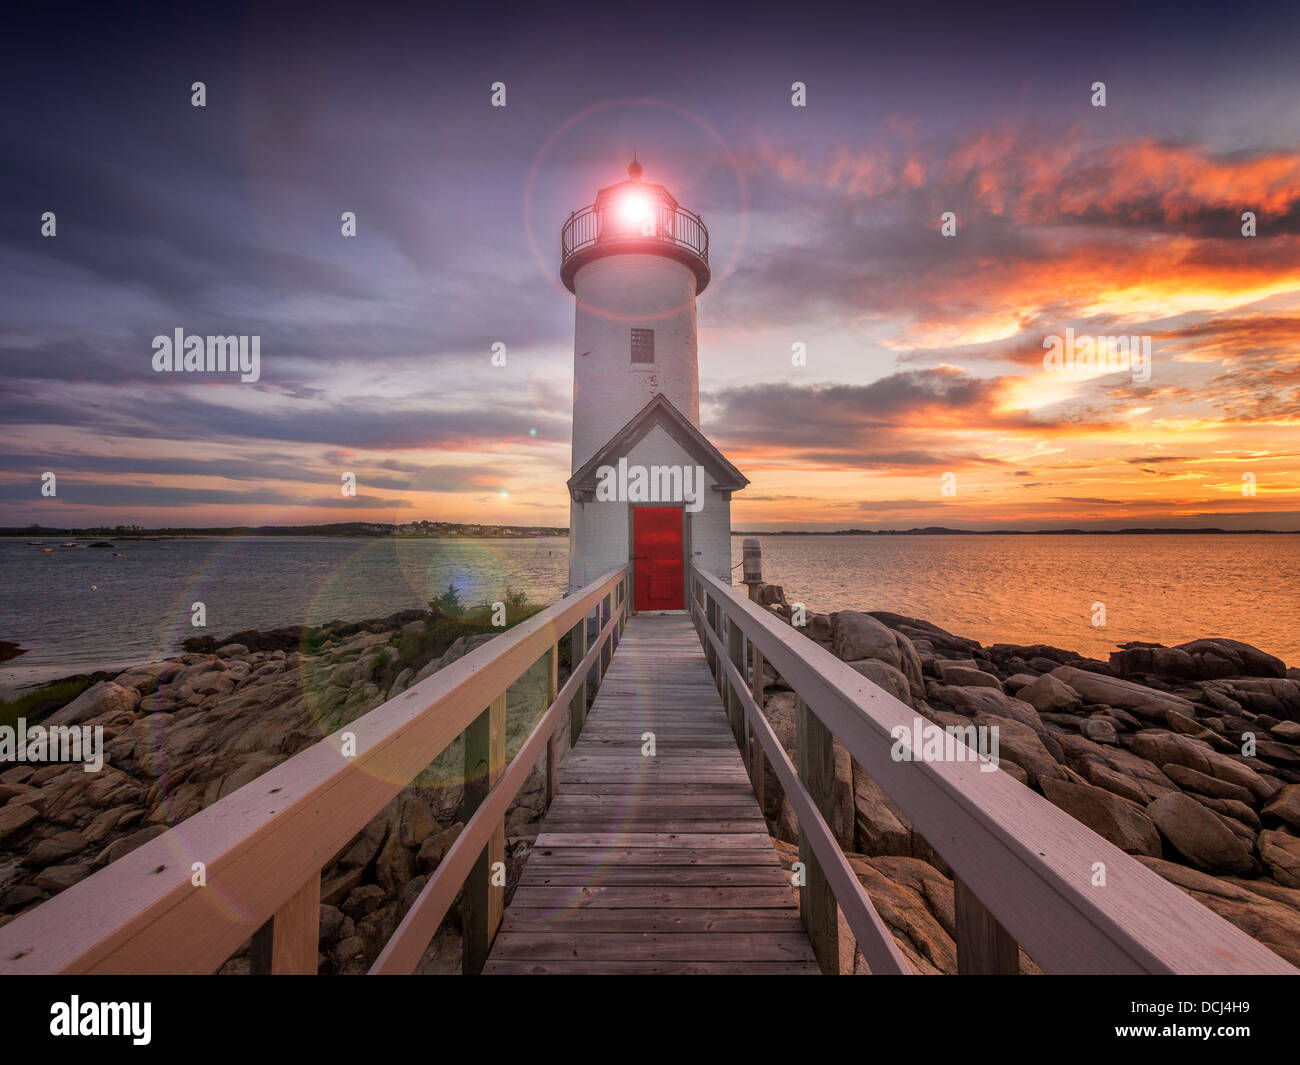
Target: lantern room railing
x=662 y=222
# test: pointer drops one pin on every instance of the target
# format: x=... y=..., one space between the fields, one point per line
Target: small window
x=643 y=345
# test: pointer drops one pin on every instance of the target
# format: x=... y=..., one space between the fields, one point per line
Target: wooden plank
x=655 y=876
x=651 y=839
x=662 y=863
x=608 y=967
x=484 y=900
x=288 y=943
x=662 y=856
x=653 y=920
x=639 y=898
x=654 y=946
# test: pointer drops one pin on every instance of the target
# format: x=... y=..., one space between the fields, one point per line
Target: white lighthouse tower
x=646 y=484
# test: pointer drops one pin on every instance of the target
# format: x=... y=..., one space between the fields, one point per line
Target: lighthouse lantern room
x=647 y=485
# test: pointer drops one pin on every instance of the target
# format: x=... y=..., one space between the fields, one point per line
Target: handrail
x=1015 y=855
x=405 y=947
x=264 y=846
x=671 y=225
x=878 y=946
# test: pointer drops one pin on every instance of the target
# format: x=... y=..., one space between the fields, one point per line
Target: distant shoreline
x=459 y=531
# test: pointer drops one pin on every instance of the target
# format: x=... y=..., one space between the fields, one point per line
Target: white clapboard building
x=647 y=485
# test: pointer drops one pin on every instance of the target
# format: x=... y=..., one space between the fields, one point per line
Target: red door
x=657 y=574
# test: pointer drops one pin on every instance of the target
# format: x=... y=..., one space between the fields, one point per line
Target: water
x=78 y=610
x=1041 y=589
x=81 y=609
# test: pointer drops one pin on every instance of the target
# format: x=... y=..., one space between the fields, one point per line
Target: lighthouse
x=646 y=484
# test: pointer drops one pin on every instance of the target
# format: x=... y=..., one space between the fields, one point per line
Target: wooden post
x=751 y=574
x=607 y=647
x=711 y=619
x=287 y=944
x=736 y=650
x=815 y=749
x=984 y=947
x=483 y=902
x=552 y=689
x=759 y=695
x=578 y=708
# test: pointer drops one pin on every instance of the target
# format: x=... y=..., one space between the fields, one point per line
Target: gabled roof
x=659 y=411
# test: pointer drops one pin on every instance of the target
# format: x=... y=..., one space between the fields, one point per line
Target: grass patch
x=415 y=650
x=40 y=701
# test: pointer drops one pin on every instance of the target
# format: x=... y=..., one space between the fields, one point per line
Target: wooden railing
x=264 y=846
x=1026 y=874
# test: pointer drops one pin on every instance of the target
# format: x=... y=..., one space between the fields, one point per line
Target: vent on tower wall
x=643 y=345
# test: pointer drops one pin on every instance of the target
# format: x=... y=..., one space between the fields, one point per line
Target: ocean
x=83 y=609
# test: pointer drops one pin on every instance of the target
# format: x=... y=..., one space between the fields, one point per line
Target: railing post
x=578 y=708
x=606 y=649
x=984 y=947
x=736 y=650
x=552 y=689
x=815 y=749
x=287 y=945
x=483 y=901
x=756 y=754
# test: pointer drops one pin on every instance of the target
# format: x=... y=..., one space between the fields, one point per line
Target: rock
x=1103 y=776
x=1163 y=748
x=880 y=827
x=1099 y=730
x=858 y=636
x=1120 y=821
x=15 y=818
x=416 y=823
x=1288 y=731
x=59 y=877
x=953 y=674
x=335 y=888
x=1019 y=743
x=1218 y=657
x=886 y=676
x=121 y=847
x=1191 y=780
x=1197 y=834
x=232 y=650
x=213 y=684
x=395 y=864
x=1112 y=691
x=1281 y=853
x=1016 y=681
x=103 y=698
x=363 y=900
x=1285 y=805
x=1047 y=694
x=435 y=847
x=56 y=848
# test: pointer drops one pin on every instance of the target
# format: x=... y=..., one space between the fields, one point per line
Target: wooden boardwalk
x=654 y=864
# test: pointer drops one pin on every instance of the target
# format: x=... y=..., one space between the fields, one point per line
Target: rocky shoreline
x=1146 y=749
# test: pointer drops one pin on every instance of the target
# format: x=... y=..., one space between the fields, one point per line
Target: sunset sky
x=924 y=352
